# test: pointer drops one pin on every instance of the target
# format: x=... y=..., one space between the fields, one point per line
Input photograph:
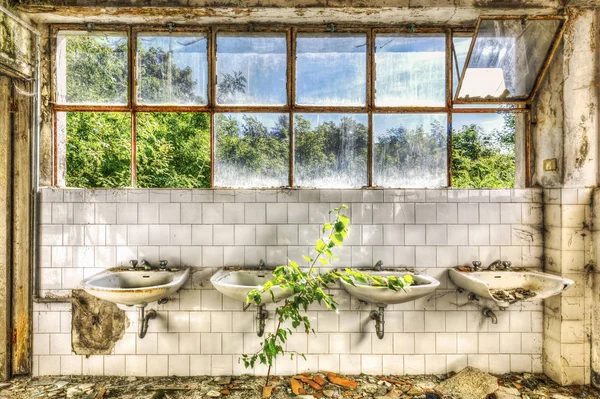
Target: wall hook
x=171 y=27
x=412 y=28
x=331 y=28
x=89 y=26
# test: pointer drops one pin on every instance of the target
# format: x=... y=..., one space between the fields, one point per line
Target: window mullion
x=291 y=89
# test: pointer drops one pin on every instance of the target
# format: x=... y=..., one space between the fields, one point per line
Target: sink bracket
x=261 y=320
x=377 y=315
x=143 y=320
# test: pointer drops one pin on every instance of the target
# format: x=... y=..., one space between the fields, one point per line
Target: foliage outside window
x=261 y=133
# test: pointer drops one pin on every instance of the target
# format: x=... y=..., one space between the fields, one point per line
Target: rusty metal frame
x=540 y=77
x=291 y=108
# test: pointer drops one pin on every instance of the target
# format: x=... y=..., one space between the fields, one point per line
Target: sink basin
x=506 y=287
x=382 y=296
x=237 y=283
x=135 y=287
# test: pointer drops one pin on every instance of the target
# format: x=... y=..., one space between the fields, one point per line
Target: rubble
x=308 y=385
x=512 y=296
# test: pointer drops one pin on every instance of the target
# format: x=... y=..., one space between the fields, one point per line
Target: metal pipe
x=261 y=319
x=377 y=315
x=144 y=319
x=487 y=312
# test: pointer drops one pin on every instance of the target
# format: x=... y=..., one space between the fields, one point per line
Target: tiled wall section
x=568 y=317
x=202 y=332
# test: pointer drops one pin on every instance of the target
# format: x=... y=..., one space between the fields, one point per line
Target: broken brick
x=319 y=380
x=296 y=386
x=334 y=379
x=267 y=391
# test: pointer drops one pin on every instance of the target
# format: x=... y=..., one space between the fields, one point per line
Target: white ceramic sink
x=518 y=283
x=135 y=287
x=237 y=283
x=382 y=296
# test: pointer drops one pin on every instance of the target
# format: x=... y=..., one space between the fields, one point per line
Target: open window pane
x=483 y=150
x=98 y=148
x=410 y=70
x=331 y=69
x=91 y=68
x=331 y=150
x=507 y=57
x=251 y=68
x=251 y=150
x=410 y=150
x=173 y=150
x=172 y=69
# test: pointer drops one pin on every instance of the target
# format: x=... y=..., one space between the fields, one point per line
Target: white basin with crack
x=506 y=287
x=382 y=296
x=237 y=283
x=135 y=287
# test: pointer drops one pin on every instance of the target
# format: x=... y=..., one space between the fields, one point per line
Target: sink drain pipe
x=143 y=320
x=261 y=320
x=487 y=312
x=377 y=315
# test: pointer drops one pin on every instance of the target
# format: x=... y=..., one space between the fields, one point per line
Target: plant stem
x=269 y=369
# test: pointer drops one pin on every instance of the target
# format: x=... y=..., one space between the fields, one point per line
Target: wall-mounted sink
x=509 y=286
x=382 y=296
x=237 y=283
x=135 y=286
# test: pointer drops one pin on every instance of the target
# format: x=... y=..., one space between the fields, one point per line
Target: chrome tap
x=476 y=265
x=133 y=264
x=495 y=264
x=144 y=263
x=261 y=264
x=163 y=265
x=507 y=265
x=378 y=266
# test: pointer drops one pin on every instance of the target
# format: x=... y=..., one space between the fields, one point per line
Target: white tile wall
x=201 y=332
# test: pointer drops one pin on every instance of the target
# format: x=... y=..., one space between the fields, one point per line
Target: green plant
x=309 y=286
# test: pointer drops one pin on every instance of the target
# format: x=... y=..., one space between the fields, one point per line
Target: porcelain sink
x=506 y=287
x=237 y=283
x=135 y=287
x=382 y=296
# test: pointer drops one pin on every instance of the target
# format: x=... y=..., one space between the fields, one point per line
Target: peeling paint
x=582 y=151
x=97 y=325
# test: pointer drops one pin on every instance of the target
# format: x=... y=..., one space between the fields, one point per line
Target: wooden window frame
x=291 y=108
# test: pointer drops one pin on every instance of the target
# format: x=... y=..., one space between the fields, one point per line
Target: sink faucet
x=476 y=265
x=144 y=263
x=163 y=265
x=507 y=265
x=378 y=266
x=495 y=265
x=133 y=264
x=261 y=265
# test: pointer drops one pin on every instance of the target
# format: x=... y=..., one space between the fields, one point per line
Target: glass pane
x=331 y=150
x=331 y=69
x=410 y=71
x=98 y=149
x=173 y=150
x=410 y=150
x=251 y=69
x=172 y=70
x=91 y=68
x=461 y=49
x=507 y=57
x=483 y=150
x=252 y=150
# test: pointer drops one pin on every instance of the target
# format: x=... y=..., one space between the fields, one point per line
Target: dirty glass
x=331 y=69
x=251 y=68
x=330 y=150
x=483 y=150
x=173 y=150
x=91 y=68
x=98 y=148
x=507 y=57
x=410 y=70
x=410 y=150
x=172 y=69
x=251 y=150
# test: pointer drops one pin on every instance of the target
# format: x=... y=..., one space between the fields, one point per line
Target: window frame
x=291 y=108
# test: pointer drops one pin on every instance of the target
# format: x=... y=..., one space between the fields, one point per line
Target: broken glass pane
x=410 y=70
x=251 y=68
x=173 y=150
x=483 y=150
x=91 y=68
x=331 y=69
x=507 y=57
x=98 y=148
x=330 y=150
x=251 y=150
x=410 y=150
x=172 y=69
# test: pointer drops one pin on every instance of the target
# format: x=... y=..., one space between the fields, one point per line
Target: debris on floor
x=468 y=384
